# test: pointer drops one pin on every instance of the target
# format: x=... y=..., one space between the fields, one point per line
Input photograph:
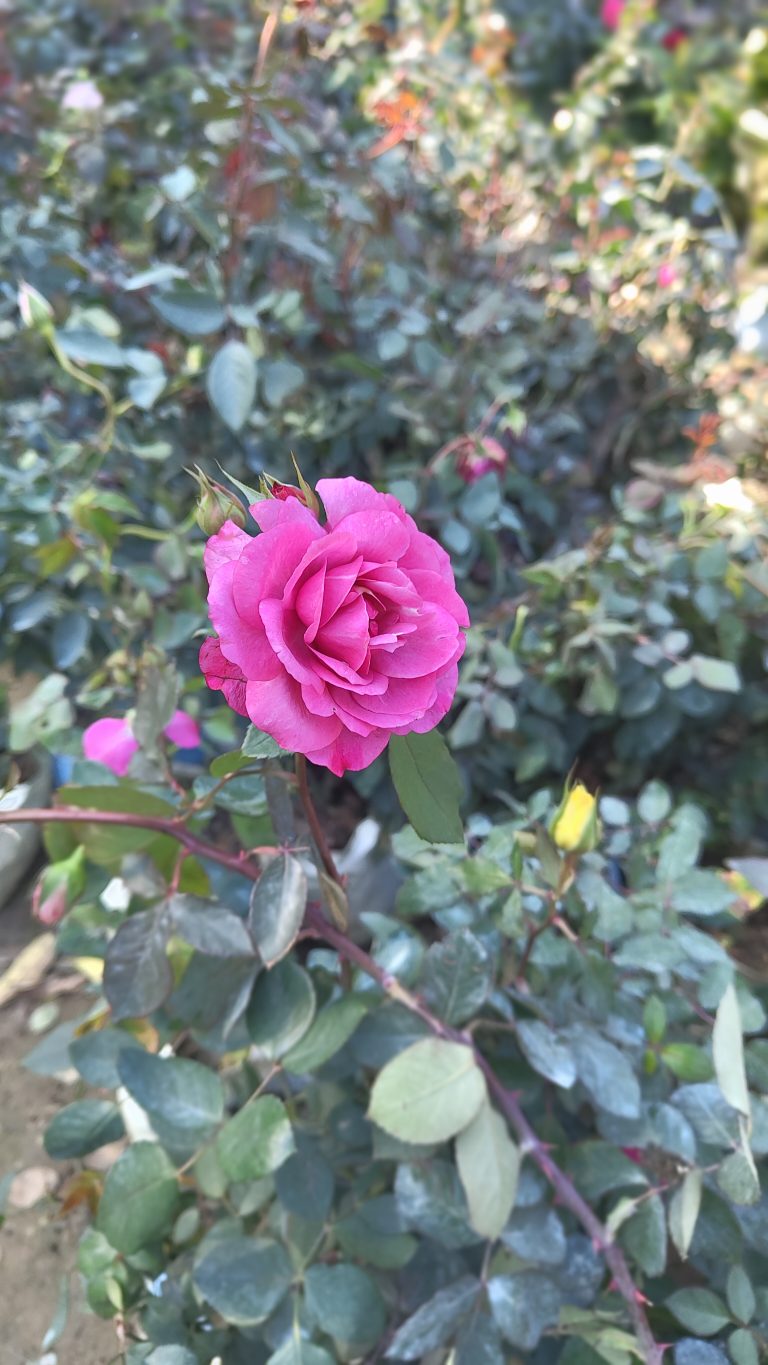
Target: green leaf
x=194 y=312
x=728 y=1052
x=606 y=1073
x=431 y=1200
x=184 y=1100
x=231 y=383
x=305 y=1182
x=428 y=786
x=345 y=1303
x=435 y=1322
x=644 y=1236
x=105 y=844
x=536 y=1235
x=300 y=1352
x=489 y=1164
x=687 y=1062
x=740 y=1295
x=329 y=1032
x=719 y=675
x=258 y=745
x=374 y=1235
x=684 y=1211
x=244 y=1278
x=281 y=1009
x=82 y=1127
x=458 y=976
x=209 y=927
x=95 y=1055
x=256 y=1140
x=137 y=973
x=479 y=1343
x=700 y=1310
x=738 y=1179
x=280 y=379
x=742 y=1347
x=277 y=907
x=546 y=1053
x=428 y=1093
x=523 y=1307
x=140 y=1198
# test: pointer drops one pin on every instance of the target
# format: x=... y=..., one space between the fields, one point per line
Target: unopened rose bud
x=575 y=827
x=35 y=310
x=58 y=888
x=480 y=456
x=304 y=493
x=215 y=505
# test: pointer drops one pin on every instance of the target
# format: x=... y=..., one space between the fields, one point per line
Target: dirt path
x=36 y=1247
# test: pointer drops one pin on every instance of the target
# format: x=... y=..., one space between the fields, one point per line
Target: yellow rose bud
x=576 y=828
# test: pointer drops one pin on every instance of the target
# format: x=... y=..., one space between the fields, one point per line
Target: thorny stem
x=319 y=927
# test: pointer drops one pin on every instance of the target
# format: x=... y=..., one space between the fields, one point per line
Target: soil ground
x=37 y=1248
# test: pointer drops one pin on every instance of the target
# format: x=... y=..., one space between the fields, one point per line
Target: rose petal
x=110 y=741
x=182 y=730
x=277 y=707
x=342 y=497
x=226 y=545
x=223 y=676
x=349 y=753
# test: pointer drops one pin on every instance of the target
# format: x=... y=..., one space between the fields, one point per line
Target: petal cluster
x=333 y=637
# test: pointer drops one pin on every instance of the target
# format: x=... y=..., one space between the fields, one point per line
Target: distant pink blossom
x=666 y=275
x=111 y=741
x=673 y=38
x=611 y=12
x=334 y=636
x=478 y=457
x=83 y=96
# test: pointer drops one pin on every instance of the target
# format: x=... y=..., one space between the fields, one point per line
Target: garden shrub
x=502 y=1094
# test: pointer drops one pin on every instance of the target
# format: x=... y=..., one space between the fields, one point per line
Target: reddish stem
x=80 y=815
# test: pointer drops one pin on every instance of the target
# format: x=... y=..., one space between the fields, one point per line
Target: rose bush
x=333 y=637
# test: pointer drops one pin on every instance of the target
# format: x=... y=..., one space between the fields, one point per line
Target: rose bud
x=575 y=827
x=58 y=888
x=216 y=505
x=479 y=456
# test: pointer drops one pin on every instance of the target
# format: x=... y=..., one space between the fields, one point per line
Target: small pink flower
x=611 y=12
x=83 y=96
x=111 y=741
x=666 y=275
x=333 y=637
x=478 y=457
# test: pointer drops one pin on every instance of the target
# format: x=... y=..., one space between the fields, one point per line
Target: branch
x=80 y=815
x=566 y=1191
x=319 y=927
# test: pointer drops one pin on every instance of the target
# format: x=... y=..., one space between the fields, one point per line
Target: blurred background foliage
x=506 y=261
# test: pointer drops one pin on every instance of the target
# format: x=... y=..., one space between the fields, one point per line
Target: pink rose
x=478 y=457
x=111 y=741
x=666 y=275
x=333 y=637
x=611 y=12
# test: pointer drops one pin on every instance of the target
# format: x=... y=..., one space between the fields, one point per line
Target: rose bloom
x=611 y=12
x=333 y=637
